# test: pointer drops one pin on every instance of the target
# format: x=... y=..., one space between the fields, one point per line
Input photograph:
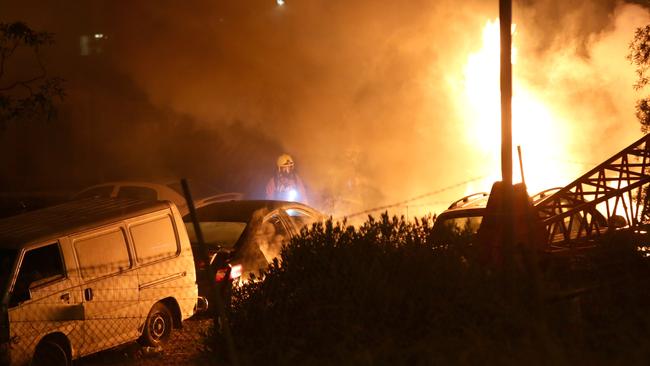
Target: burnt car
x=463 y=217
x=242 y=238
x=466 y=214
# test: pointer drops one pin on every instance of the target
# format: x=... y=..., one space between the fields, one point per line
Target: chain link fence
x=138 y=316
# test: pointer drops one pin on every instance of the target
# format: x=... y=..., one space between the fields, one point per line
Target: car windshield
x=7 y=258
x=217 y=233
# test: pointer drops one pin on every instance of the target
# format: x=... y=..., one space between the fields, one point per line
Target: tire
x=51 y=352
x=158 y=326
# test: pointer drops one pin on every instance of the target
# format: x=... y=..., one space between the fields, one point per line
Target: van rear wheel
x=158 y=326
x=50 y=352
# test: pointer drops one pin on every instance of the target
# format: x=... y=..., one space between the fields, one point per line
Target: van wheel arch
x=49 y=345
x=163 y=317
x=173 y=306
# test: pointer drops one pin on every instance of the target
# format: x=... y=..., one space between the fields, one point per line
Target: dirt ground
x=183 y=348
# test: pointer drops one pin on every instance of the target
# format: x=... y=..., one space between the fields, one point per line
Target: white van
x=89 y=275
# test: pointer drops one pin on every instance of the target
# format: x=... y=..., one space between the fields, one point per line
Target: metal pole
x=505 y=22
x=221 y=308
x=521 y=165
x=507 y=214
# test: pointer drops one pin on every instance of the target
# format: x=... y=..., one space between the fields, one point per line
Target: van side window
x=102 y=255
x=154 y=240
x=39 y=266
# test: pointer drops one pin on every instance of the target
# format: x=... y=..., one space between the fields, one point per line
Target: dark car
x=464 y=217
x=243 y=237
x=465 y=214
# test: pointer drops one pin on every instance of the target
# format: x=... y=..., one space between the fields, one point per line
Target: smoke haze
x=366 y=95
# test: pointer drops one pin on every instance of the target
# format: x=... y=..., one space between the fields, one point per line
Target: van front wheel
x=158 y=326
x=50 y=352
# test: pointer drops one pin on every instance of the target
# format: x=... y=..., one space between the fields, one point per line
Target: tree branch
x=2 y=65
x=42 y=75
x=22 y=82
x=6 y=53
x=41 y=90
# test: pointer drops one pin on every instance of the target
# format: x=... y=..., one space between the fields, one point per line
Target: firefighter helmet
x=285 y=161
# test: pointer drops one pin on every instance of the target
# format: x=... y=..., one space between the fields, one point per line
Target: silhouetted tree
x=30 y=96
x=640 y=57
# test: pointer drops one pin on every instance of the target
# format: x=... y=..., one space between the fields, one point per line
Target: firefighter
x=286 y=185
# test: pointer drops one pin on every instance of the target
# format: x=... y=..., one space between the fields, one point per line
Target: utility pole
x=496 y=234
x=508 y=204
x=505 y=22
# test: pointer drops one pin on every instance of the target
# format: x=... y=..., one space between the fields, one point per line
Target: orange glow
x=536 y=127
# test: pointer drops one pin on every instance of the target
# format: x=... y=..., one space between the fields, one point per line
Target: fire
x=536 y=128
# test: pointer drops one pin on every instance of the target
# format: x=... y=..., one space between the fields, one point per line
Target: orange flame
x=535 y=127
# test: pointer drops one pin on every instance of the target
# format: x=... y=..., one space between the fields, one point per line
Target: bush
x=388 y=292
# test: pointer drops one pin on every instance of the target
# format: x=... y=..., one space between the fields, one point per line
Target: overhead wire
x=444 y=189
x=416 y=198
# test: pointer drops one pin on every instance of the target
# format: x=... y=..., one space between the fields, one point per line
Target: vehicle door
x=275 y=232
x=110 y=288
x=162 y=270
x=44 y=299
x=261 y=242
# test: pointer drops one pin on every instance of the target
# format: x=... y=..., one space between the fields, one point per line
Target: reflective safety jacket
x=286 y=188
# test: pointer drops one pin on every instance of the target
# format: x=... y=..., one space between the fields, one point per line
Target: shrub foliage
x=389 y=292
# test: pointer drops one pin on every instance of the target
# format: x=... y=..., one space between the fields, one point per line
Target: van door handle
x=65 y=298
x=88 y=294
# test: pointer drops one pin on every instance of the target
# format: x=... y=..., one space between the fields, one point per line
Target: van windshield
x=7 y=258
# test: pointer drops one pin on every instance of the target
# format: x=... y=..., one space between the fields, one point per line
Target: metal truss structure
x=613 y=194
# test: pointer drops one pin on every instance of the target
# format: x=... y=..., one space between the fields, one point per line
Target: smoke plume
x=366 y=95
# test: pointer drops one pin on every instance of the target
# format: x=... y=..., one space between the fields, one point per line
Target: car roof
x=473 y=200
x=461 y=212
x=243 y=210
x=475 y=204
x=70 y=217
